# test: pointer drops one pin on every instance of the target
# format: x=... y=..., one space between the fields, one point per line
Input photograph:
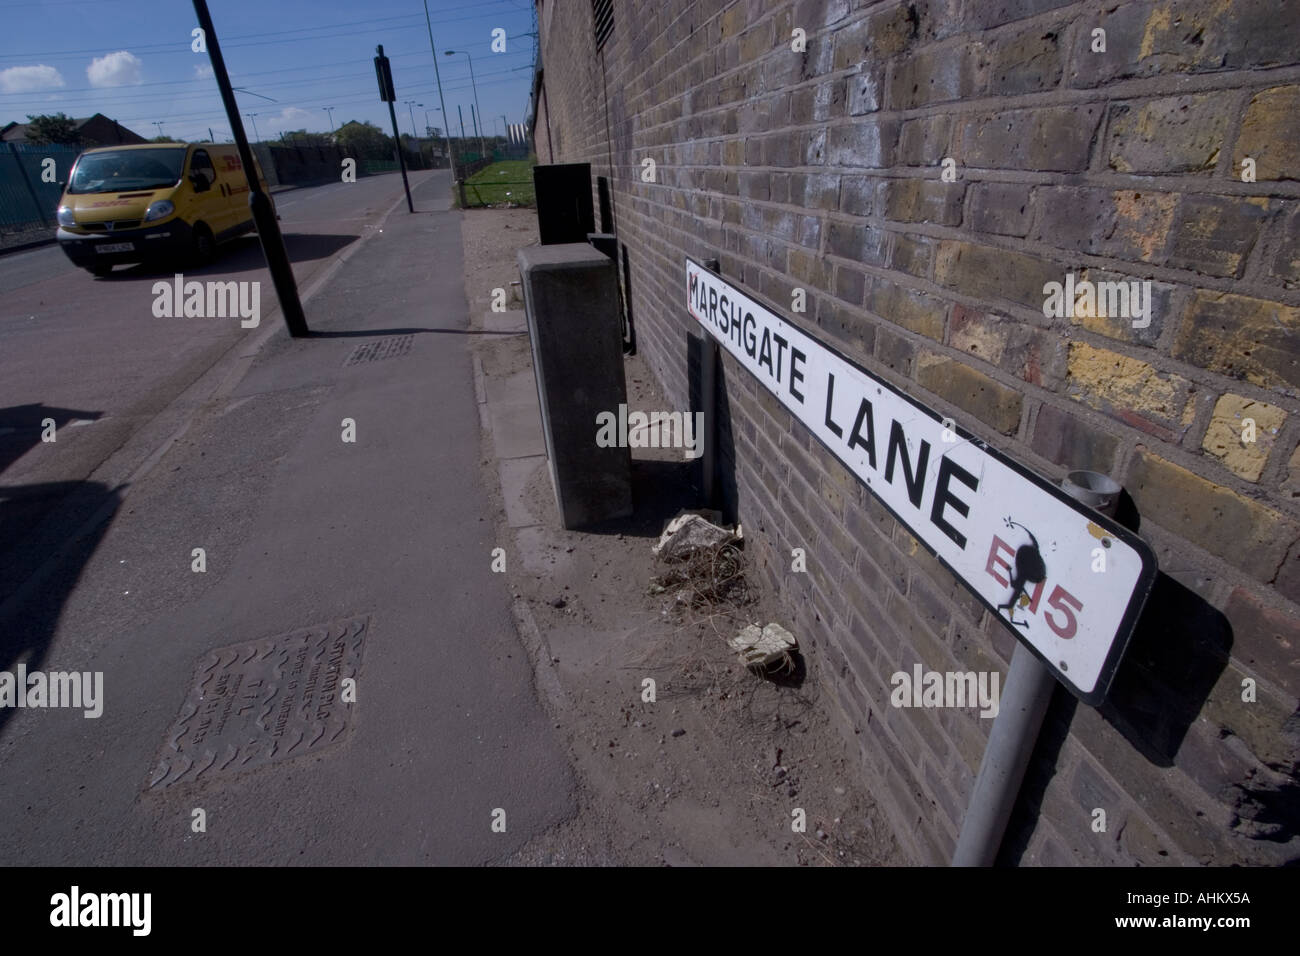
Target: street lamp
x=477 y=109
x=408 y=104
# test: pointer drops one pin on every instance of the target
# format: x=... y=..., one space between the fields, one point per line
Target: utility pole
x=474 y=85
x=259 y=203
x=330 y=112
x=256 y=137
x=159 y=125
x=462 y=121
x=446 y=119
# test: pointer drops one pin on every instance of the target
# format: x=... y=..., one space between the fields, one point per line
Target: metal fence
x=29 y=184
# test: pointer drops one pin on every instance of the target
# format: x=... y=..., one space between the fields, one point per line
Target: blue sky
x=131 y=60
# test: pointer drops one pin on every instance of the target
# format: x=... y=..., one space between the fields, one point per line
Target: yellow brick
x=1226 y=438
x=1243 y=532
x=1270 y=132
x=1108 y=380
x=1241 y=336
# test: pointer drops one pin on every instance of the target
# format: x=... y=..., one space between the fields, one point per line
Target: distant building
x=97 y=130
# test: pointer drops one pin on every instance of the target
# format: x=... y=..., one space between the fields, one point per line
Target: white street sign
x=1067 y=581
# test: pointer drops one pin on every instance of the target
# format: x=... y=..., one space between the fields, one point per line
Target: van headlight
x=159 y=210
x=66 y=216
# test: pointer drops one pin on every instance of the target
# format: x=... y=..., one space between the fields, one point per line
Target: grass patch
x=509 y=181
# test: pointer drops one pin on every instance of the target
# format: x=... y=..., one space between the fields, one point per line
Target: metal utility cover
x=376 y=351
x=252 y=704
x=1066 y=580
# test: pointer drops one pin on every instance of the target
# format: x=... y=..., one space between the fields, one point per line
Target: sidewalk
x=371 y=556
x=711 y=771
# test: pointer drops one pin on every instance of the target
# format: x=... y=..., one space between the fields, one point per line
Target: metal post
x=1021 y=710
x=259 y=203
x=401 y=160
x=709 y=399
x=446 y=119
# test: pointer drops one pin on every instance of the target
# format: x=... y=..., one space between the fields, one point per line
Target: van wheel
x=204 y=247
x=100 y=270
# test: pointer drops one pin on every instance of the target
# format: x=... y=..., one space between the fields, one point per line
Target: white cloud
x=202 y=70
x=115 y=69
x=27 y=79
x=292 y=117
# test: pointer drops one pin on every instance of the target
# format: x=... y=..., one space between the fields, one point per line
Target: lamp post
x=408 y=104
x=442 y=103
x=477 y=109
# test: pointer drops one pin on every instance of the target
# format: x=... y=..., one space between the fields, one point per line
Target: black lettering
x=944 y=498
x=830 y=398
x=751 y=340
x=855 y=436
x=765 y=352
x=780 y=351
x=915 y=482
x=795 y=374
x=713 y=306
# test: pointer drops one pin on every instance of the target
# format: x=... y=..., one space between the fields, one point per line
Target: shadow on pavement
x=377 y=333
x=37 y=521
x=241 y=255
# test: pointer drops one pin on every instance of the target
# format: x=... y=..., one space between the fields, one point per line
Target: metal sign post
x=386 y=93
x=259 y=203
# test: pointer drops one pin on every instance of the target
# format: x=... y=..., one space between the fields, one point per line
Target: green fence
x=29 y=185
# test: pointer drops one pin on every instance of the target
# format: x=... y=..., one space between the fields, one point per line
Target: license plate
x=115 y=247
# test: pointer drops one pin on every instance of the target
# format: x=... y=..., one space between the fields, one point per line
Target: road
x=176 y=434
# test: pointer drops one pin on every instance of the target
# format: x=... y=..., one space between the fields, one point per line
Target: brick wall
x=821 y=170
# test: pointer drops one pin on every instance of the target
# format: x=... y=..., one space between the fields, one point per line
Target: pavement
x=370 y=559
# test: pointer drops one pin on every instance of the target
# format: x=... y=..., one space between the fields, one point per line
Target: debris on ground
x=691 y=531
x=760 y=649
x=707 y=577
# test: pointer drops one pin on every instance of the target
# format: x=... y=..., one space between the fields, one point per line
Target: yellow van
x=154 y=202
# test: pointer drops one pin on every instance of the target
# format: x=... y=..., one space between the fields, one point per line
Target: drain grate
x=256 y=703
x=393 y=347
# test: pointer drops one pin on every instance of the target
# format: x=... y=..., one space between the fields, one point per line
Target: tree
x=364 y=141
x=58 y=128
x=300 y=137
x=163 y=139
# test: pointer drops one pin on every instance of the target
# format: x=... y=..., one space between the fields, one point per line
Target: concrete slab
x=514 y=321
x=516 y=474
x=516 y=430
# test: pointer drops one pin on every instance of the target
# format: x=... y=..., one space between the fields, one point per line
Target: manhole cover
x=252 y=704
x=393 y=347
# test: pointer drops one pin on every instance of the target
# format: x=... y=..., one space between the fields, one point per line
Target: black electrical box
x=564 y=209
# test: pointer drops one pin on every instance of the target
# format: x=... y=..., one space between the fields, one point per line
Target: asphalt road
x=201 y=434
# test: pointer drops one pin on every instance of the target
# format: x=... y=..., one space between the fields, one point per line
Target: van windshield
x=127 y=170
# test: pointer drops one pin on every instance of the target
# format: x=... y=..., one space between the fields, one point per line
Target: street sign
x=1066 y=580
x=384 y=74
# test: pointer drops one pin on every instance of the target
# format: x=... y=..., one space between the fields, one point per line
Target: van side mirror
x=200 y=182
